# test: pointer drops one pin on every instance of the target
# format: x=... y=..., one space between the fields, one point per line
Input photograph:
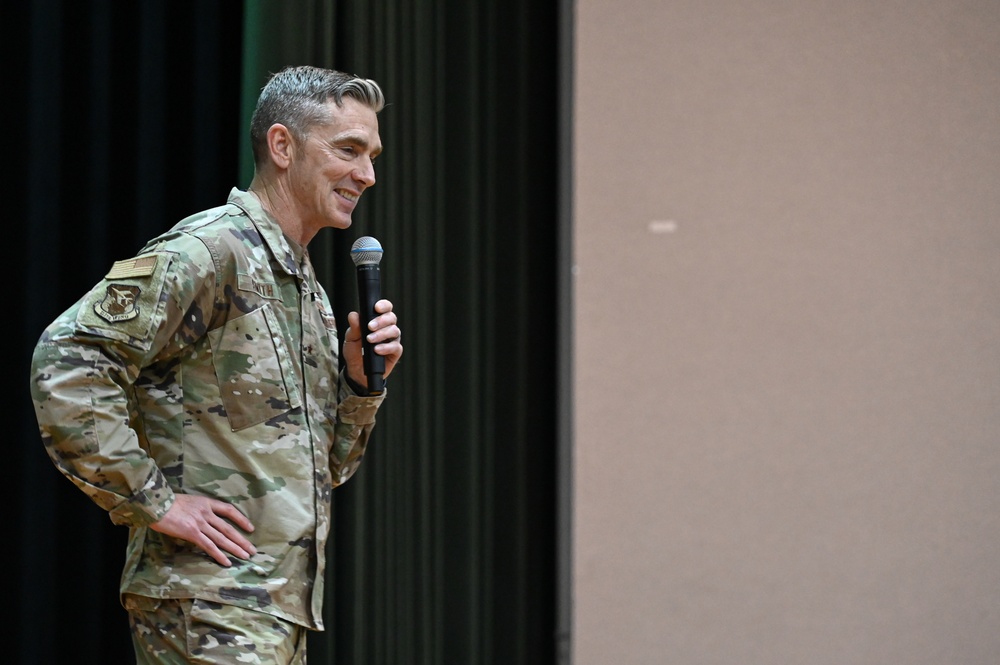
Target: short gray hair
x=297 y=98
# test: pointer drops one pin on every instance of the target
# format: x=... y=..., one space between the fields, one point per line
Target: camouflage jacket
x=208 y=364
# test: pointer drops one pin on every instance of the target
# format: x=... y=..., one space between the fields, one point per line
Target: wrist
x=356 y=388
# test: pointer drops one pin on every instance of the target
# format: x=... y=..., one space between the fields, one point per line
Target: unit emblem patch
x=119 y=303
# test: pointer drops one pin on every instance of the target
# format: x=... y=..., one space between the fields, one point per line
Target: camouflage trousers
x=177 y=631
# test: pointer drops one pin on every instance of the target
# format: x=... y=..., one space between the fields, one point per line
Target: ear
x=280 y=145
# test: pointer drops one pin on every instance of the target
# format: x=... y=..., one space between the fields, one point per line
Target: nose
x=365 y=173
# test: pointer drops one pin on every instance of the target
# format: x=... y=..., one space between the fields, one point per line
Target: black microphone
x=366 y=252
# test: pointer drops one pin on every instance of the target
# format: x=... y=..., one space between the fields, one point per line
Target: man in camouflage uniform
x=195 y=393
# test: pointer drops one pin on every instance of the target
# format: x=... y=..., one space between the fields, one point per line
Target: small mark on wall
x=662 y=226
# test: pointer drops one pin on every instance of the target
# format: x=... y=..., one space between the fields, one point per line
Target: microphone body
x=366 y=254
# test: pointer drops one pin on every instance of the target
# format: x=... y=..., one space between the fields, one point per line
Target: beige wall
x=787 y=316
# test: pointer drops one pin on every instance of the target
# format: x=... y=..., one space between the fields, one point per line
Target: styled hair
x=297 y=97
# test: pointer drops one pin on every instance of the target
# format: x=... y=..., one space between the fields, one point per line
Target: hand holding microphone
x=367 y=254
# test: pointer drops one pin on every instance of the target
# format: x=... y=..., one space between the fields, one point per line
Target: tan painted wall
x=787 y=332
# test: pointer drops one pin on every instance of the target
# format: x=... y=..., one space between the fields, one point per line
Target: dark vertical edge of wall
x=564 y=458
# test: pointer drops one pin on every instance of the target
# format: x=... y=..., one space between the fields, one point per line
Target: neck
x=277 y=200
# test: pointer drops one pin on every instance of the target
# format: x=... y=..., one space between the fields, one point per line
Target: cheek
x=335 y=170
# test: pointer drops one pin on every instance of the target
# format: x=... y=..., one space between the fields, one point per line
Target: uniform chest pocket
x=252 y=363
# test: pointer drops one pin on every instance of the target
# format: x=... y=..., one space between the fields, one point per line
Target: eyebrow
x=358 y=141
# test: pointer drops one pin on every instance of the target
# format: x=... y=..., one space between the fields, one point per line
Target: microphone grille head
x=366 y=251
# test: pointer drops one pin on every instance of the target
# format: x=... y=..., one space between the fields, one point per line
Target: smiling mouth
x=347 y=195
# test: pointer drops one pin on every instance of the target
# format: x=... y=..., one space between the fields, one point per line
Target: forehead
x=351 y=121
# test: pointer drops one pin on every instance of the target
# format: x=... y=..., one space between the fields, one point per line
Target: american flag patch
x=141 y=266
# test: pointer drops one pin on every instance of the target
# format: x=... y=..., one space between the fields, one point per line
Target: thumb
x=353 y=333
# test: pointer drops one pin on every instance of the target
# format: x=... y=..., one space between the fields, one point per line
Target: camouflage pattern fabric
x=208 y=364
x=182 y=631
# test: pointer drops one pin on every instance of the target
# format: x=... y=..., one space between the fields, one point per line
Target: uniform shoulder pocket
x=125 y=304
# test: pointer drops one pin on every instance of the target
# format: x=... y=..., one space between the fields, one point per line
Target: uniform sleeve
x=355 y=422
x=85 y=363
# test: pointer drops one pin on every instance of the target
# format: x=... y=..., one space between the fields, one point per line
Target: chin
x=339 y=221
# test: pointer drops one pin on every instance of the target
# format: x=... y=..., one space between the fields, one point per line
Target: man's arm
x=83 y=370
x=356 y=412
x=79 y=388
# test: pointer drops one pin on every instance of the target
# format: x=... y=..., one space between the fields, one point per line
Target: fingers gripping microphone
x=366 y=252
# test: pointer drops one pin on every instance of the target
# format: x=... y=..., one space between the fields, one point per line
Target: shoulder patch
x=121 y=303
x=140 y=266
x=126 y=308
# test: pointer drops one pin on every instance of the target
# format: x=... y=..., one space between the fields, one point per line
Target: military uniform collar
x=288 y=253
